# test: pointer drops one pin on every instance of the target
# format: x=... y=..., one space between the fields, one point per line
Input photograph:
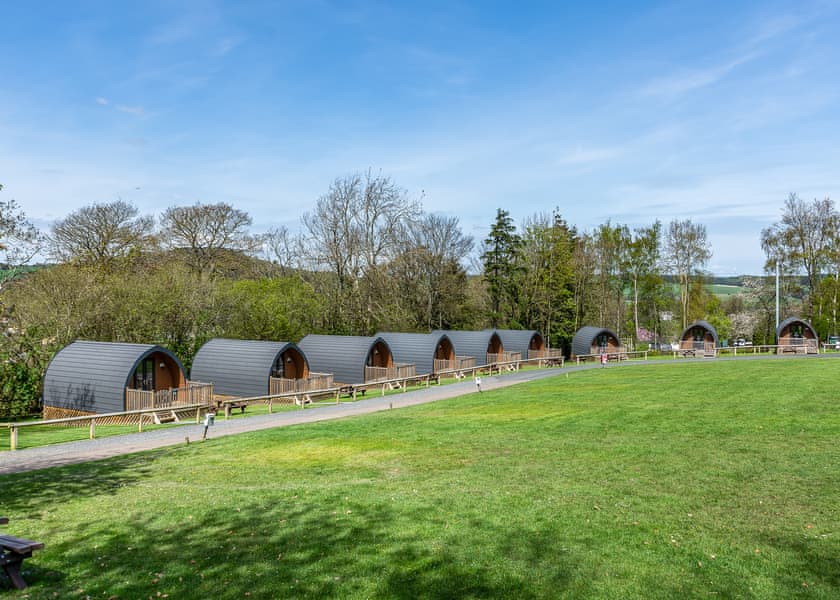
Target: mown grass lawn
x=692 y=479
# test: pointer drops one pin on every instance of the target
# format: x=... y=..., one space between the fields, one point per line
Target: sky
x=627 y=112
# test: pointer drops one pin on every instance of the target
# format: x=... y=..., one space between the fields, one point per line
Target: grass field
x=692 y=479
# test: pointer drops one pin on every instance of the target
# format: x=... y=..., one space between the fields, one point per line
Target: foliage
x=617 y=483
x=23 y=357
x=546 y=302
x=20 y=240
x=283 y=308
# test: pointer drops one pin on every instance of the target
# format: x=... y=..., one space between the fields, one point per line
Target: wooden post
x=92 y=434
x=270 y=406
x=13 y=437
x=227 y=411
x=197 y=415
x=140 y=424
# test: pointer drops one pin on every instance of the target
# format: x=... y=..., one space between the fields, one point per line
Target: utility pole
x=777 y=293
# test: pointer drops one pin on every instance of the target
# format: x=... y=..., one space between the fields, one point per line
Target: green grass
x=686 y=479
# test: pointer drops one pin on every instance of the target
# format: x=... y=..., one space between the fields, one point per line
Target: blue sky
x=709 y=111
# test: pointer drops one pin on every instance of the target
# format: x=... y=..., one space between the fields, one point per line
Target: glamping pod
x=104 y=377
x=350 y=358
x=699 y=339
x=244 y=368
x=483 y=347
x=429 y=352
x=528 y=343
x=589 y=340
x=796 y=335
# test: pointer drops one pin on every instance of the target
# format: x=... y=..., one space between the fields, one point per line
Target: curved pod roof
x=345 y=356
x=521 y=340
x=93 y=376
x=807 y=330
x=587 y=336
x=689 y=332
x=419 y=349
x=243 y=367
x=475 y=343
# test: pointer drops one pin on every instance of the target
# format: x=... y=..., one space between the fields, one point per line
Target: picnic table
x=13 y=550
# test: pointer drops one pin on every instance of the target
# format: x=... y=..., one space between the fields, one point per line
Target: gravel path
x=43 y=457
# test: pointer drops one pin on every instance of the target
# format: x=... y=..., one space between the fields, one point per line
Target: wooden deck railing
x=397 y=371
x=459 y=362
x=546 y=353
x=192 y=393
x=493 y=358
x=312 y=383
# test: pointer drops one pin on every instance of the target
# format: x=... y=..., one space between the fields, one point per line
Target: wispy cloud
x=102 y=101
x=132 y=110
x=686 y=81
x=582 y=155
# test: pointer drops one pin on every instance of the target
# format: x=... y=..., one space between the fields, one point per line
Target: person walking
x=478 y=383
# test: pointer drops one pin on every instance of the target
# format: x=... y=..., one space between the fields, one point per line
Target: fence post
x=140 y=423
x=92 y=433
x=227 y=411
x=13 y=437
x=270 y=405
x=197 y=415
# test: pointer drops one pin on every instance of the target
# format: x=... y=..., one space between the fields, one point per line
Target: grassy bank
x=689 y=478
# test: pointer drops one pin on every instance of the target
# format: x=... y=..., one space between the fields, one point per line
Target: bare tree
x=359 y=225
x=686 y=253
x=282 y=248
x=207 y=233
x=801 y=241
x=100 y=233
x=20 y=240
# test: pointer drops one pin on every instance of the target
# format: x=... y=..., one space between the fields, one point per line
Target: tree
x=429 y=273
x=642 y=268
x=547 y=297
x=100 y=234
x=283 y=249
x=687 y=252
x=207 y=234
x=502 y=269
x=20 y=240
x=610 y=244
x=357 y=227
x=801 y=241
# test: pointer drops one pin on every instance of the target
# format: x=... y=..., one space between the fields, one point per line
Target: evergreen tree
x=503 y=270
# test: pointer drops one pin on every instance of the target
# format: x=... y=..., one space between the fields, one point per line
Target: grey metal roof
x=93 y=376
x=705 y=325
x=238 y=367
x=586 y=335
x=471 y=343
x=414 y=348
x=518 y=340
x=345 y=356
x=791 y=321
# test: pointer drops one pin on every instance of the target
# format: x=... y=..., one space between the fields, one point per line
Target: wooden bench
x=351 y=390
x=12 y=552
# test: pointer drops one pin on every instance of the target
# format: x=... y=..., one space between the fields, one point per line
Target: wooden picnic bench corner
x=13 y=550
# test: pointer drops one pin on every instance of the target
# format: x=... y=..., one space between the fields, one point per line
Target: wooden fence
x=313 y=383
x=192 y=393
x=91 y=420
x=397 y=371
